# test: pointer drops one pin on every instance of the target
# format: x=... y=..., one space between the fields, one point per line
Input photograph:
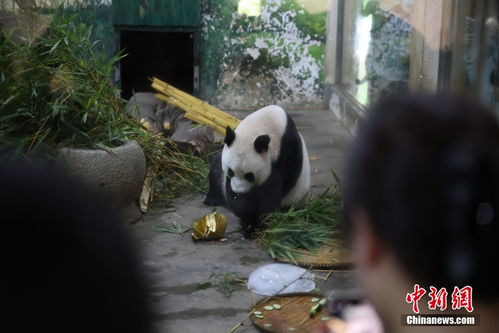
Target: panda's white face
x=246 y=163
x=250 y=150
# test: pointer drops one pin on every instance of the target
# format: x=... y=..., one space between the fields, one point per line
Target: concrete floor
x=176 y=265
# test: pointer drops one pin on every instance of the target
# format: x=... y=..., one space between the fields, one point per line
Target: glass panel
x=476 y=51
x=381 y=48
x=458 y=51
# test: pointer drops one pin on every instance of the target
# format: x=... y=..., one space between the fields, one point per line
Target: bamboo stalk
x=172 y=101
x=188 y=99
x=214 y=118
x=304 y=320
x=212 y=121
x=199 y=119
x=193 y=110
x=186 y=105
x=172 y=91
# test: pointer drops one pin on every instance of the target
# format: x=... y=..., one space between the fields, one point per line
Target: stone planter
x=119 y=174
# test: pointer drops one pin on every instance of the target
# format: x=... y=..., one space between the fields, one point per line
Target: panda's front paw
x=214 y=199
x=249 y=224
x=250 y=231
x=209 y=201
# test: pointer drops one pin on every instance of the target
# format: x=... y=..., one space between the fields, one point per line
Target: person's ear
x=366 y=244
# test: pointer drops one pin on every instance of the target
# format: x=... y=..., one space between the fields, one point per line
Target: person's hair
x=425 y=169
x=67 y=263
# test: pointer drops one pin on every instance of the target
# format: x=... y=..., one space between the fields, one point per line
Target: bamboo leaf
x=54 y=46
x=288 y=233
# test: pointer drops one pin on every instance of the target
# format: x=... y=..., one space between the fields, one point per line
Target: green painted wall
x=178 y=13
x=246 y=62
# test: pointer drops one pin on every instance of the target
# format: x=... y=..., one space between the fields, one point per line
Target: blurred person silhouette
x=67 y=264
x=422 y=207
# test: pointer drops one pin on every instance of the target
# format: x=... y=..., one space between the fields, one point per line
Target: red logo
x=461 y=298
x=438 y=299
x=415 y=297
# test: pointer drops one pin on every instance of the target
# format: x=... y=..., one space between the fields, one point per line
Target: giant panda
x=262 y=167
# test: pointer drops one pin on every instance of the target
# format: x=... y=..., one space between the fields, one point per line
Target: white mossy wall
x=276 y=57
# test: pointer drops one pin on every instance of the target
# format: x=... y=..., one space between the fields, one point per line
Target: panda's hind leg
x=215 y=195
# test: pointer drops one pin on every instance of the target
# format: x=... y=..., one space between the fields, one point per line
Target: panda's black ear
x=230 y=136
x=262 y=143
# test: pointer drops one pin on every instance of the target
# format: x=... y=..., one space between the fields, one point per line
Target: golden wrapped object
x=209 y=227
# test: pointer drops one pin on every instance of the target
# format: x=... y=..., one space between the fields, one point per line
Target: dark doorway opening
x=168 y=56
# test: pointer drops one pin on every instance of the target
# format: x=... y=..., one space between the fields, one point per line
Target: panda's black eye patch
x=249 y=177
x=230 y=172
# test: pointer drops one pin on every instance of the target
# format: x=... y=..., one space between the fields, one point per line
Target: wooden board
x=328 y=256
x=294 y=313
